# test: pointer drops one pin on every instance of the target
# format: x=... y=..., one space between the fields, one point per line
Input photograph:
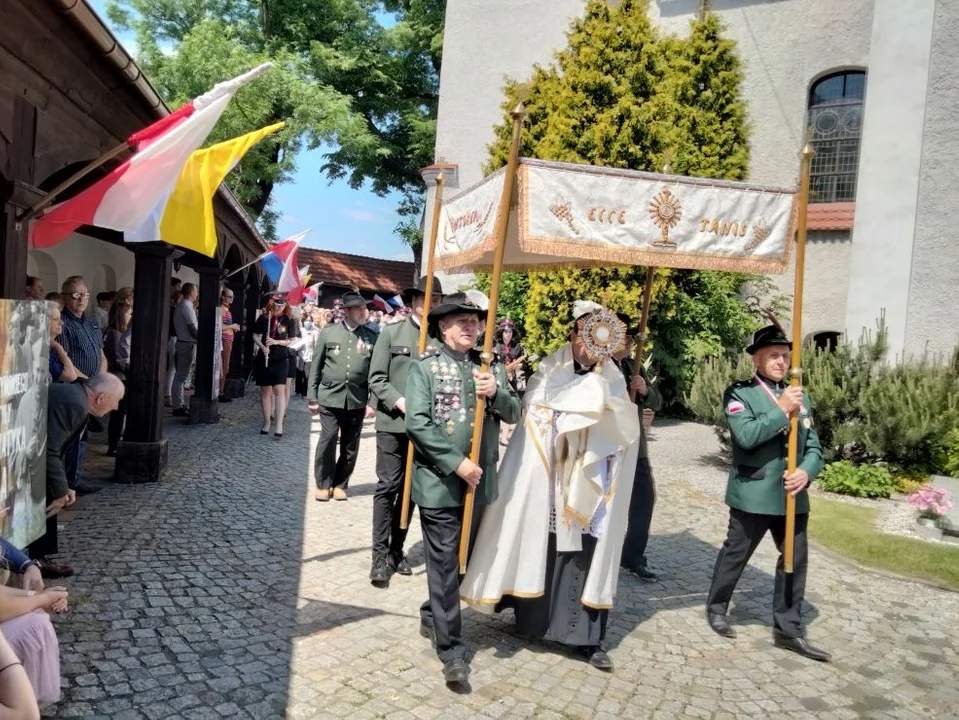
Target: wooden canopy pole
x=795 y=372
x=40 y=204
x=434 y=231
x=643 y=320
x=502 y=223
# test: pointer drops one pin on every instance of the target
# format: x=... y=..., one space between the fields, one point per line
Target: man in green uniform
x=338 y=390
x=644 y=491
x=757 y=411
x=441 y=392
x=394 y=348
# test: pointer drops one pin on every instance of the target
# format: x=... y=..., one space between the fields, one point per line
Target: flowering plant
x=931 y=502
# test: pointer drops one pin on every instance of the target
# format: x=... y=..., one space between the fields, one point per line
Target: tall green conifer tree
x=621 y=95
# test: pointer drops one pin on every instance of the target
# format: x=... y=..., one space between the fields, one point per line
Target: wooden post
x=142 y=455
x=502 y=224
x=13 y=235
x=643 y=320
x=421 y=345
x=795 y=372
x=203 y=404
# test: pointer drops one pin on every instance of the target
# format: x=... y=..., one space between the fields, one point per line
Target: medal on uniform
x=450 y=427
x=807 y=422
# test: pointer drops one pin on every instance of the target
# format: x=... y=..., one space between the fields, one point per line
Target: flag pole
x=40 y=204
x=795 y=372
x=643 y=320
x=502 y=224
x=421 y=345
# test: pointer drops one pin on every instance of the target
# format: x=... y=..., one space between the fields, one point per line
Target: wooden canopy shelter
x=68 y=93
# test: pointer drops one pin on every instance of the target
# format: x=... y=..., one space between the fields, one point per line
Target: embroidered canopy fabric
x=580 y=215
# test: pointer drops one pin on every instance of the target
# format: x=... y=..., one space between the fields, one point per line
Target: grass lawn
x=849 y=530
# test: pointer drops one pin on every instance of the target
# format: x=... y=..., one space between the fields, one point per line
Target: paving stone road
x=226 y=591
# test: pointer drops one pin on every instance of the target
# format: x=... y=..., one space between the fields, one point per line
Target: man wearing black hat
x=644 y=491
x=441 y=394
x=758 y=411
x=394 y=348
x=338 y=390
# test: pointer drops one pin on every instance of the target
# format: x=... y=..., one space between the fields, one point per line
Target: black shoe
x=401 y=565
x=427 y=632
x=456 y=671
x=801 y=646
x=641 y=571
x=82 y=488
x=54 y=571
x=181 y=412
x=720 y=625
x=596 y=656
x=224 y=399
x=380 y=573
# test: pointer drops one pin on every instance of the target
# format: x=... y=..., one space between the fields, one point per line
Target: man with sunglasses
x=83 y=342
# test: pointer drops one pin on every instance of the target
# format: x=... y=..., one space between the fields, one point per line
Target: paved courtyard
x=226 y=591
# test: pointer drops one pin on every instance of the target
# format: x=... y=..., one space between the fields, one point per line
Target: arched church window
x=835 y=122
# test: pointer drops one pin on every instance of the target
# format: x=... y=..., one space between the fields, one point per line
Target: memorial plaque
x=24 y=379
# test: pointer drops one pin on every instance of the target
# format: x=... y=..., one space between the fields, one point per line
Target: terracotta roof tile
x=370 y=275
x=831 y=216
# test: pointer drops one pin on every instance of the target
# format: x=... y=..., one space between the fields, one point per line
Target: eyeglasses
x=80 y=295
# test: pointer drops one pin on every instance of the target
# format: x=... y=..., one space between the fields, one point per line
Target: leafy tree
x=620 y=95
x=344 y=79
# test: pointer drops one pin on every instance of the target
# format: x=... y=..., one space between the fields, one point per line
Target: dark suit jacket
x=66 y=417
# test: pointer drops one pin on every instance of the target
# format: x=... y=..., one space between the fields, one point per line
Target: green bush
x=705 y=398
x=947 y=455
x=866 y=481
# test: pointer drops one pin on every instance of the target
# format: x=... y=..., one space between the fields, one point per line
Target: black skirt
x=559 y=614
x=274 y=373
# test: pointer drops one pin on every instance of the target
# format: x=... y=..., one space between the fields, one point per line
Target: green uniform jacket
x=339 y=373
x=760 y=433
x=394 y=349
x=440 y=410
x=653 y=401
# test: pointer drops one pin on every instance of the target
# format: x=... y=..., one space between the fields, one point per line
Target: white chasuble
x=570 y=466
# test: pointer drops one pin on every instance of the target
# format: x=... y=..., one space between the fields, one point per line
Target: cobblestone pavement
x=226 y=590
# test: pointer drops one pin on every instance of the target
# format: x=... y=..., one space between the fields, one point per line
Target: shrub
x=947 y=455
x=866 y=481
x=705 y=398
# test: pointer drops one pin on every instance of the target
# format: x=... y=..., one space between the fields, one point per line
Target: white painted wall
x=932 y=320
x=103 y=265
x=889 y=168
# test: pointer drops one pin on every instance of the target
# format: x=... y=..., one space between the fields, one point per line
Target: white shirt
x=183 y=317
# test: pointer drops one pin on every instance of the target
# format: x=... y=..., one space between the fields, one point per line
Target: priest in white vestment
x=549 y=547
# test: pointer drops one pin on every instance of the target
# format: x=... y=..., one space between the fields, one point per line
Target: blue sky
x=343 y=219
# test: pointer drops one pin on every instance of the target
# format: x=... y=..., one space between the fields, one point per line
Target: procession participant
x=441 y=394
x=757 y=411
x=509 y=351
x=549 y=547
x=644 y=491
x=394 y=348
x=338 y=390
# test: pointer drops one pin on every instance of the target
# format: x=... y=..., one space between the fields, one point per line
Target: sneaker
x=54 y=571
x=401 y=565
x=380 y=573
x=340 y=494
x=322 y=495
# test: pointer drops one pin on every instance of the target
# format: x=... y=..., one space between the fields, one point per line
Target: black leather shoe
x=427 y=632
x=640 y=571
x=402 y=565
x=596 y=656
x=380 y=573
x=224 y=399
x=54 y=571
x=720 y=625
x=456 y=671
x=82 y=488
x=801 y=646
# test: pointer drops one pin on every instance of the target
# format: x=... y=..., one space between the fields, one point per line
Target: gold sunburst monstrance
x=665 y=210
x=602 y=334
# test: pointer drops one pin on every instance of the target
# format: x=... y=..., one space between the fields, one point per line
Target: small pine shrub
x=865 y=481
x=947 y=457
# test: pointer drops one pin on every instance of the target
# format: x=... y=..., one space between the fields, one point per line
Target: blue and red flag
x=279 y=255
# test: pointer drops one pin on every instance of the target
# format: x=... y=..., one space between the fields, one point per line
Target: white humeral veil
x=588 y=420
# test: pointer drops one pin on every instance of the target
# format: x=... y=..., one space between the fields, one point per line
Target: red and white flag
x=131 y=199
